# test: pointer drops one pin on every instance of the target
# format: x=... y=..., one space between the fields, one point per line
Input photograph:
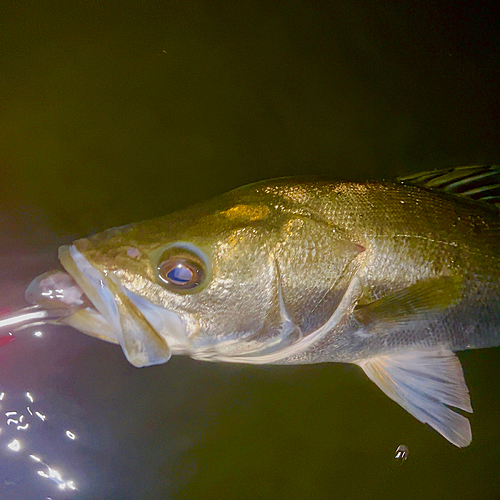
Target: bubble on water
x=71 y=435
x=14 y=445
x=401 y=453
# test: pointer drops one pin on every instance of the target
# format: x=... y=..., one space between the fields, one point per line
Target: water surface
x=115 y=112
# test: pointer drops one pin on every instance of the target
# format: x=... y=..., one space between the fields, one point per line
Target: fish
x=392 y=276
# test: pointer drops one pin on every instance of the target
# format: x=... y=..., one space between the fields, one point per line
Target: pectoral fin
x=423 y=382
x=414 y=303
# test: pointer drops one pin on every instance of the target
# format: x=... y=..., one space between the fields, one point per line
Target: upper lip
x=146 y=332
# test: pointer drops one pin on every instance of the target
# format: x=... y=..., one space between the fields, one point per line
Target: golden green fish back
x=409 y=234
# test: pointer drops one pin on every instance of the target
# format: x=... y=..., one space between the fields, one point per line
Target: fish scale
x=392 y=276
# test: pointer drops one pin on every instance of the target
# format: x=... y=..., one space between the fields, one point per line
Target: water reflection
x=53 y=475
x=25 y=416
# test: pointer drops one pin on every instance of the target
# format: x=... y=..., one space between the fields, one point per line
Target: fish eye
x=180 y=269
x=180 y=273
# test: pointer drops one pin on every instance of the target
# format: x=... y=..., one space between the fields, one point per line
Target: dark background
x=118 y=111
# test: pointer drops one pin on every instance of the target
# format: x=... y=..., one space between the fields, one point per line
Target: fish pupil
x=180 y=274
x=181 y=270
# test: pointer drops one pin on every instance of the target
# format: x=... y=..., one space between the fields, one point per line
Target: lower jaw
x=143 y=330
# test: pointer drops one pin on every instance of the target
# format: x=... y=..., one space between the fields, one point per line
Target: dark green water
x=112 y=112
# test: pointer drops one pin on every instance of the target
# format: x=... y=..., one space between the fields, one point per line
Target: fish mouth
x=148 y=334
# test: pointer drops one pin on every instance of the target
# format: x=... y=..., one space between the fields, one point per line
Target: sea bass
x=392 y=276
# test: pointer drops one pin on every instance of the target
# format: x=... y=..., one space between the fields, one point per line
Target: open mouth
x=98 y=305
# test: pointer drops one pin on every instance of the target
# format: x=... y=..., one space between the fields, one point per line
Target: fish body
x=392 y=276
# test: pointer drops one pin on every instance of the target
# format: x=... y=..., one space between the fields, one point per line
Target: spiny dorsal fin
x=481 y=183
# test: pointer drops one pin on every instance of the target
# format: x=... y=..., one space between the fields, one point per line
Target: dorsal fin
x=481 y=183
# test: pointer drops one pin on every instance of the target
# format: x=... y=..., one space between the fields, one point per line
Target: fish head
x=243 y=277
x=195 y=282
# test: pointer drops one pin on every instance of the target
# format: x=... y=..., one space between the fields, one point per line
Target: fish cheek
x=242 y=288
x=317 y=262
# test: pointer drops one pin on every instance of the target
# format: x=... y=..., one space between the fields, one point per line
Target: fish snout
x=145 y=332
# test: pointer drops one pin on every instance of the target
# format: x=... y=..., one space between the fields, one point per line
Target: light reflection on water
x=104 y=98
x=23 y=420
